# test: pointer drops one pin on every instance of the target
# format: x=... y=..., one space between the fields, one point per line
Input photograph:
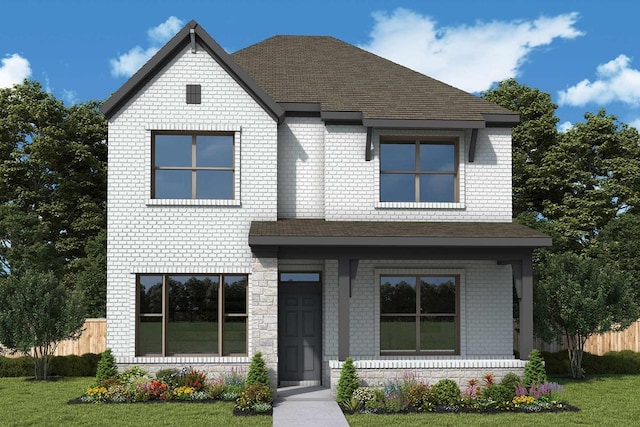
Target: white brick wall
x=301 y=168
x=176 y=235
x=352 y=184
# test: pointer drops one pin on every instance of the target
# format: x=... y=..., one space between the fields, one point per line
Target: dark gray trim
x=300 y=107
x=341 y=116
x=526 y=309
x=192 y=34
x=501 y=120
x=423 y=124
x=117 y=100
x=344 y=282
x=400 y=241
x=472 y=145
x=369 y=149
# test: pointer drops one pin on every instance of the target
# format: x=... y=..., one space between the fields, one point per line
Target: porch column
x=526 y=308
x=344 y=277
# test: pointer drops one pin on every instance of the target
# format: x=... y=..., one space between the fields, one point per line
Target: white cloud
x=70 y=96
x=616 y=81
x=635 y=123
x=563 y=127
x=471 y=57
x=13 y=69
x=128 y=63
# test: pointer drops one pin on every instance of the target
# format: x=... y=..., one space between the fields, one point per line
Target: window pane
x=150 y=335
x=172 y=184
x=437 y=333
x=235 y=335
x=172 y=150
x=437 y=188
x=398 y=333
x=398 y=157
x=214 y=185
x=397 y=187
x=235 y=294
x=150 y=294
x=192 y=325
x=437 y=157
x=397 y=295
x=214 y=150
x=437 y=295
x=299 y=277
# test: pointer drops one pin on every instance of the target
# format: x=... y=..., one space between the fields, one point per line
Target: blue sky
x=584 y=53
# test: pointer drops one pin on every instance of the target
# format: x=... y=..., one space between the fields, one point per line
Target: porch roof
x=318 y=232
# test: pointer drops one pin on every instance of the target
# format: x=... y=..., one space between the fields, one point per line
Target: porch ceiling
x=321 y=233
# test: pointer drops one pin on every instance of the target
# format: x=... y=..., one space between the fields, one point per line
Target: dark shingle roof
x=321 y=232
x=342 y=77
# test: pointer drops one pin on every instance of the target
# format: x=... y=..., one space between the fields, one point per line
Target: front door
x=299 y=329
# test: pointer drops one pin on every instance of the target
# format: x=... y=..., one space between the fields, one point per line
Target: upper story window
x=192 y=165
x=417 y=170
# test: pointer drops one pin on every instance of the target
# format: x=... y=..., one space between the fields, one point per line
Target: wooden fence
x=629 y=339
x=92 y=340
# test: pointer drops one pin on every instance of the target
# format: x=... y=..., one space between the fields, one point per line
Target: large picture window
x=418 y=171
x=192 y=165
x=419 y=314
x=191 y=315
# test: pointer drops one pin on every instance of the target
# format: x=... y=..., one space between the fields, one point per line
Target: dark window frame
x=194 y=168
x=417 y=315
x=221 y=315
x=417 y=172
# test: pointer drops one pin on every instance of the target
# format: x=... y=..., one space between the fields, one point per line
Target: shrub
x=348 y=382
x=106 y=366
x=253 y=395
x=498 y=393
x=16 y=366
x=364 y=394
x=169 y=376
x=258 y=373
x=417 y=394
x=216 y=388
x=511 y=381
x=534 y=371
x=444 y=392
x=193 y=378
x=396 y=403
x=133 y=373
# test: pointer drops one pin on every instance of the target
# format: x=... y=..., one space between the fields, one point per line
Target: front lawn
x=604 y=400
x=28 y=403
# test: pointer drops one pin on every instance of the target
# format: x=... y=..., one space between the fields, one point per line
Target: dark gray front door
x=299 y=332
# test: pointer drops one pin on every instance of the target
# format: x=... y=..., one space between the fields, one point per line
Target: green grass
x=605 y=400
x=29 y=403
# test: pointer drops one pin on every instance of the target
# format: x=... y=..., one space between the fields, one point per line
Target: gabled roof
x=327 y=77
x=340 y=77
x=169 y=51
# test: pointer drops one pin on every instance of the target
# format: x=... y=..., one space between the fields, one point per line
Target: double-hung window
x=417 y=170
x=419 y=314
x=193 y=165
x=191 y=314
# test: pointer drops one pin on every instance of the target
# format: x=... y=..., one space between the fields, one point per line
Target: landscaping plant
x=348 y=382
x=534 y=371
x=258 y=373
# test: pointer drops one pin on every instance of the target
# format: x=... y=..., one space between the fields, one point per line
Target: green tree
x=258 y=373
x=91 y=277
x=577 y=297
x=36 y=313
x=348 y=382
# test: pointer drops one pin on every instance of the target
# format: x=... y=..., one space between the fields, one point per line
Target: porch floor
x=307 y=406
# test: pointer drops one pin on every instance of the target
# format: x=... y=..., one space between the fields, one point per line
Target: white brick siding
x=183 y=236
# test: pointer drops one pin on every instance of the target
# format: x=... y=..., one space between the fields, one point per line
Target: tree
x=577 y=297
x=36 y=313
x=91 y=278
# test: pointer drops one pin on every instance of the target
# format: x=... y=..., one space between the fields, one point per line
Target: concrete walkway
x=307 y=407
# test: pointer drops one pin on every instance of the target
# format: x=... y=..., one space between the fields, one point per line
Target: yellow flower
x=96 y=391
x=523 y=400
x=184 y=391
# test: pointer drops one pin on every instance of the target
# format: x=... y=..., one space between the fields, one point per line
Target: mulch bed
x=561 y=407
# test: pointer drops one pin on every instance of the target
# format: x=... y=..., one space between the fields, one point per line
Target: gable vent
x=193 y=94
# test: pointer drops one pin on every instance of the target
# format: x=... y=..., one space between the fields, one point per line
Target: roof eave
x=117 y=100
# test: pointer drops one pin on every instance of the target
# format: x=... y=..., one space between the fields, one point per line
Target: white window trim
x=194 y=127
x=460 y=272
x=462 y=137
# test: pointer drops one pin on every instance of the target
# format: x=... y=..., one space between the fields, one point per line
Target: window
x=191 y=315
x=418 y=171
x=419 y=314
x=192 y=166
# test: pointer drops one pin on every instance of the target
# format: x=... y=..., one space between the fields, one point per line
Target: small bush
x=417 y=394
x=193 y=378
x=511 y=381
x=169 y=376
x=106 y=366
x=63 y=366
x=444 y=392
x=498 y=393
x=253 y=395
x=16 y=366
x=348 y=382
x=215 y=389
x=534 y=371
x=364 y=394
x=258 y=373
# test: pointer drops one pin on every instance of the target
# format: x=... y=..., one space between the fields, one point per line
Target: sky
x=584 y=53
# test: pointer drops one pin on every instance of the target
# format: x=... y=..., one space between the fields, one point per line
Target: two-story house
x=311 y=201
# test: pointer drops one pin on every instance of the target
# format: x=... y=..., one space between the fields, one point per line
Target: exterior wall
x=352 y=184
x=301 y=168
x=185 y=236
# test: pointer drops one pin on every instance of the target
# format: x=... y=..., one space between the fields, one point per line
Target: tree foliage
x=52 y=181
x=577 y=297
x=36 y=313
